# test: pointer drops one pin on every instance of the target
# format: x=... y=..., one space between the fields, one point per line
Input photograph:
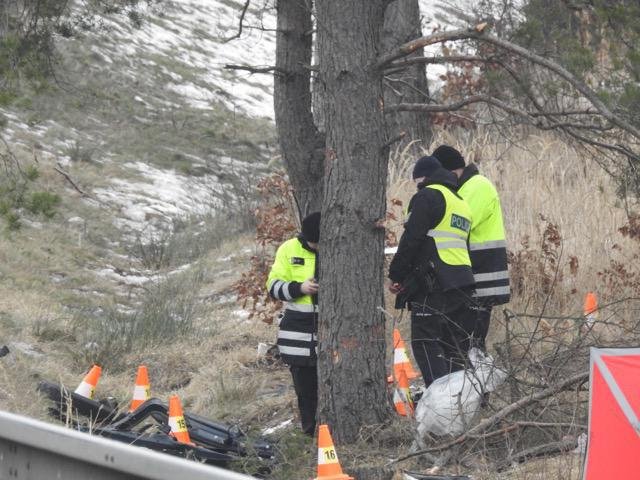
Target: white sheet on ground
x=448 y=406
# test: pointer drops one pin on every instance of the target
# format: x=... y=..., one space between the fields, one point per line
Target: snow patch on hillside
x=194 y=33
x=165 y=194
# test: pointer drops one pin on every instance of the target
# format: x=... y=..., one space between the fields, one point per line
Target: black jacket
x=411 y=263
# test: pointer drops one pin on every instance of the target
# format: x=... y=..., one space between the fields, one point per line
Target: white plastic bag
x=448 y=406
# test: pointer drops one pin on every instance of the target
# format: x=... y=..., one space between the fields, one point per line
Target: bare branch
x=397 y=66
x=607 y=146
x=535 y=118
x=66 y=175
x=479 y=35
x=551 y=425
x=393 y=140
x=252 y=69
x=424 y=107
x=563 y=445
x=9 y=160
x=242 y=14
x=565 y=113
x=410 y=47
x=439 y=60
x=410 y=86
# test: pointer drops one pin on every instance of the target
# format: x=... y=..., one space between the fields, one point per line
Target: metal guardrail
x=35 y=450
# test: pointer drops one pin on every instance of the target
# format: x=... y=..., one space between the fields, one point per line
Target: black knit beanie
x=449 y=157
x=425 y=167
x=311 y=227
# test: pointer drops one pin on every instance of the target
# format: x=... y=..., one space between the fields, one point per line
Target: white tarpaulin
x=448 y=406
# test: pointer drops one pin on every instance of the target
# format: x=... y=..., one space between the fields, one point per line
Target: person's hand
x=396 y=288
x=309 y=287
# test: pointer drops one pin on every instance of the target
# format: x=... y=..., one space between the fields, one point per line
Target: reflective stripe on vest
x=488 y=245
x=487 y=277
x=451 y=234
x=294 y=351
x=301 y=307
x=281 y=288
x=289 y=335
x=489 y=292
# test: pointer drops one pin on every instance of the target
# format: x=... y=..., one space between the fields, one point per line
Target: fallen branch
x=551 y=425
x=9 y=159
x=66 y=175
x=560 y=446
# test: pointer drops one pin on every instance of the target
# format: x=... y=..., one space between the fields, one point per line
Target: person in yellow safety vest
x=487 y=244
x=292 y=279
x=431 y=271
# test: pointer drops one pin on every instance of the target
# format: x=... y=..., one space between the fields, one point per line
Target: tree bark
x=351 y=357
x=301 y=145
x=401 y=24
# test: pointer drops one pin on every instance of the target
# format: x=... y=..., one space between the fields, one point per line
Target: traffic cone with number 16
x=328 y=464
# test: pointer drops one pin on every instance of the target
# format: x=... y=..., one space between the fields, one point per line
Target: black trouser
x=478 y=317
x=305 y=382
x=482 y=315
x=440 y=341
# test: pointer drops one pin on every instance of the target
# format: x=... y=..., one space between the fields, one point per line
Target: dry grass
x=542 y=176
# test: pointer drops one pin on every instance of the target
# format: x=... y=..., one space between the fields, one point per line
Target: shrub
x=13 y=221
x=31 y=173
x=43 y=203
x=185 y=241
x=276 y=223
x=79 y=153
x=166 y=311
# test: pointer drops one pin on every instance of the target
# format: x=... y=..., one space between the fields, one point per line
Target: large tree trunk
x=401 y=24
x=352 y=389
x=301 y=144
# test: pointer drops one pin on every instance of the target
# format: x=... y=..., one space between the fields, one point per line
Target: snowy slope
x=195 y=33
x=164 y=72
x=141 y=97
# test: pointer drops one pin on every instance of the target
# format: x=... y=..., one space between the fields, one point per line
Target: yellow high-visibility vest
x=452 y=233
x=293 y=263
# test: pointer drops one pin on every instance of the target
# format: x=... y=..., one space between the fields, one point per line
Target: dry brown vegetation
x=562 y=217
x=568 y=234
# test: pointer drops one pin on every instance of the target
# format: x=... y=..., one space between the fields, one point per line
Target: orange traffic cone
x=176 y=421
x=142 y=390
x=88 y=385
x=402 y=396
x=328 y=464
x=400 y=357
x=590 y=308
